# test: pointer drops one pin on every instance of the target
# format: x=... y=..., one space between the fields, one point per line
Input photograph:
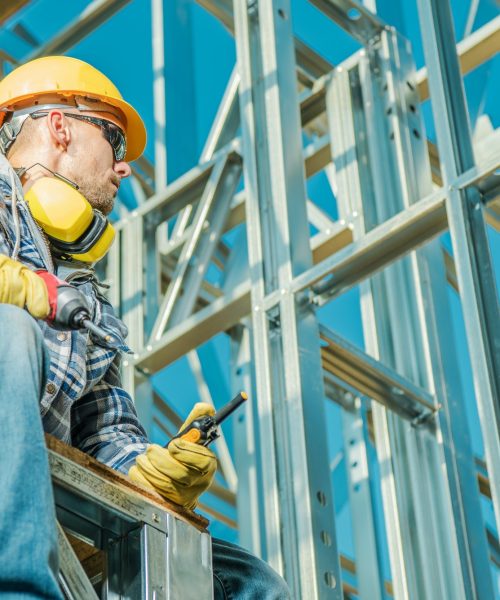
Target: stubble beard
x=97 y=194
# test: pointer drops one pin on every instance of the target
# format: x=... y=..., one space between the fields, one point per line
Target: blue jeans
x=28 y=540
x=239 y=574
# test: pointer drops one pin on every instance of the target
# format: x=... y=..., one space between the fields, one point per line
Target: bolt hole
x=416 y=134
x=321 y=496
x=282 y=13
x=412 y=108
x=389 y=111
x=330 y=580
x=410 y=85
x=354 y=14
x=352 y=442
x=356 y=487
x=391 y=136
x=326 y=538
x=354 y=464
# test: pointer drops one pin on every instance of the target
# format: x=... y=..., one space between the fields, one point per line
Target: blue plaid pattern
x=83 y=403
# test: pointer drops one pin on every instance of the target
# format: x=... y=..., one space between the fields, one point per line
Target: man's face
x=91 y=162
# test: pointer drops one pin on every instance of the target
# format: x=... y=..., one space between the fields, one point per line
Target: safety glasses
x=111 y=132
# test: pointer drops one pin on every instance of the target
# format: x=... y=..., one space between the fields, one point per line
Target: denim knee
x=23 y=355
x=240 y=574
x=18 y=329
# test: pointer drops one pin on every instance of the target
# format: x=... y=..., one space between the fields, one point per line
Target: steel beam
x=226 y=121
x=310 y=64
x=368 y=559
x=95 y=14
x=467 y=228
x=246 y=443
x=474 y=50
x=219 y=316
x=72 y=577
x=159 y=56
x=373 y=379
x=169 y=201
x=222 y=314
x=385 y=132
x=383 y=245
x=352 y=16
x=302 y=544
x=197 y=252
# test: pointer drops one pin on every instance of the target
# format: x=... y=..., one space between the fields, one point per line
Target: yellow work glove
x=23 y=288
x=181 y=472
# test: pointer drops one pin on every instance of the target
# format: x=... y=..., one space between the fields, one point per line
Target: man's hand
x=181 y=472
x=23 y=288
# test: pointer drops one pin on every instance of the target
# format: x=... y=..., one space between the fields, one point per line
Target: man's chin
x=104 y=207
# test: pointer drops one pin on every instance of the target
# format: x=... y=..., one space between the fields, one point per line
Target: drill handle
x=68 y=306
x=52 y=283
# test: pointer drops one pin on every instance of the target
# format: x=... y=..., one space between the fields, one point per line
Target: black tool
x=205 y=430
x=68 y=307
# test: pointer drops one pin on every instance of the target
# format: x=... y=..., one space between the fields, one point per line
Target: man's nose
x=122 y=168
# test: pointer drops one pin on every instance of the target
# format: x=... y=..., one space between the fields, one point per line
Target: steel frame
x=149 y=550
x=384 y=241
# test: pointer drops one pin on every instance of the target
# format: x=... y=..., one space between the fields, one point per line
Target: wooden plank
x=120 y=480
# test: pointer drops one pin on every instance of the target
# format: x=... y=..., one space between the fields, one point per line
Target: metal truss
x=401 y=404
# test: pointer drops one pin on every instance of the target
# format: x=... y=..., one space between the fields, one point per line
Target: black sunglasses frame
x=110 y=131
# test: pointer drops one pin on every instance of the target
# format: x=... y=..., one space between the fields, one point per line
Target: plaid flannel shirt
x=83 y=403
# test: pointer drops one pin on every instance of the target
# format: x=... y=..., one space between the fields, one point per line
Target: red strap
x=52 y=282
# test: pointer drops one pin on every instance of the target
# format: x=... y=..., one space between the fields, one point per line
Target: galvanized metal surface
x=150 y=553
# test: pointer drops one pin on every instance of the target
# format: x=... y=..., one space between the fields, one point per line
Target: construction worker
x=66 y=138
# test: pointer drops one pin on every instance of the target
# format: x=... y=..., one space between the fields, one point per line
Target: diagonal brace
x=197 y=252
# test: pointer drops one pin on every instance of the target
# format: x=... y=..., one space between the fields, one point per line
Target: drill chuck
x=72 y=308
x=69 y=308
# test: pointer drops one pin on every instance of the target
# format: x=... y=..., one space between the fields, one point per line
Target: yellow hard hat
x=66 y=77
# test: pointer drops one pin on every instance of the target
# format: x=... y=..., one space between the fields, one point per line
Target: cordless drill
x=205 y=430
x=68 y=307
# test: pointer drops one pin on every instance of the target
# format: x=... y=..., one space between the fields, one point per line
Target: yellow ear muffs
x=74 y=228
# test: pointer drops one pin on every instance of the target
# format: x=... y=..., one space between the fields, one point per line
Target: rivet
x=50 y=388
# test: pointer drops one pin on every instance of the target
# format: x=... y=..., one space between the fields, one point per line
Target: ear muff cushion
x=60 y=210
x=73 y=227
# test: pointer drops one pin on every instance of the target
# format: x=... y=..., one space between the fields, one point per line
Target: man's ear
x=59 y=131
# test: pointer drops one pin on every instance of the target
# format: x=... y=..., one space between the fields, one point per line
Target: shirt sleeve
x=5 y=220
x=105 y=423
